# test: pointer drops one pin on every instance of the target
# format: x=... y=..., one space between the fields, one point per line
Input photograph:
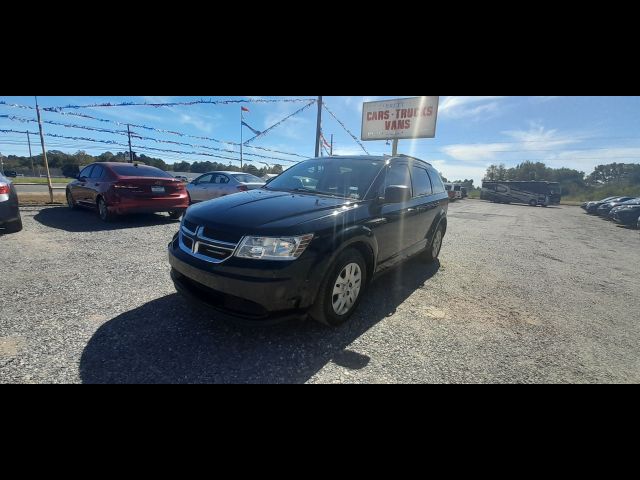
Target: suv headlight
x=273 y=248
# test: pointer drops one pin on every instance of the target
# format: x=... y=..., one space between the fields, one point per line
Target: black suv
x=311 y=239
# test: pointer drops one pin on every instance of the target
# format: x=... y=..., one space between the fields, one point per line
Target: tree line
x=70 y=164
x=614 y=177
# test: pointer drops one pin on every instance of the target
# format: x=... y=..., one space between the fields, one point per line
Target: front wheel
x=342 y=290
x=70 y=202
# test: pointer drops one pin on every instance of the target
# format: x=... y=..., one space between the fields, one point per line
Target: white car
x=218 y=184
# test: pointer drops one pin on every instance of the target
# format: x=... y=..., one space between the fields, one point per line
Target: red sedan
x=122 y=188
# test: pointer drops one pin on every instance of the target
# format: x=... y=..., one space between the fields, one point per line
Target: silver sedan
x=218 y=184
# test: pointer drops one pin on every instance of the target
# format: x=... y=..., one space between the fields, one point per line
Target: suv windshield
x=343 y=177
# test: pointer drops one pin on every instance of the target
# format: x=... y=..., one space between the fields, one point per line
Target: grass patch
x=42 y=181
x=475 y=194
x=40 y=198
x=598 y=193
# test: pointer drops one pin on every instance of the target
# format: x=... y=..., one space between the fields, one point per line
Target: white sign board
x=400 y=118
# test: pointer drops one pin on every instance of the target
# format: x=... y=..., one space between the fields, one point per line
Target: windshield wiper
x=315 y=192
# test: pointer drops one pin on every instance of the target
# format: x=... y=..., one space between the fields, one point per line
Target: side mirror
x=82 y=179
x=397 y=194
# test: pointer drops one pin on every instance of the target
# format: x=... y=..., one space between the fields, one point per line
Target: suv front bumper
x=250 y=289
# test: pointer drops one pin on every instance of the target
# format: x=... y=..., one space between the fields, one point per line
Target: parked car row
x=622 y=210
x=456 y=191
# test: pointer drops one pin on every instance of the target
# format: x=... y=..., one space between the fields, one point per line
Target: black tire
x=103 y=211
x=176 y=214
x=13 y=227
x=433 y=249
x=70 y=203
x=533 y=203
x=323 y=310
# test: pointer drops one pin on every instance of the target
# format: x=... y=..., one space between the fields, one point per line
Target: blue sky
x=472 y=131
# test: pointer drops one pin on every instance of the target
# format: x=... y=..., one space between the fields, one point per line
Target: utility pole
x=44 y=152
x=394 y=148
x=318 y=126
x=331 y=147
x=130 y=151
x=241 y=120
x=33 y=170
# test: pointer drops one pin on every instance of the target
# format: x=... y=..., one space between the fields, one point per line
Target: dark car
x=592 y=207
x=604 y=209
x=122 y=188
x=312 y=239
x=627 y=213
x=10 y=174
x=10 y=220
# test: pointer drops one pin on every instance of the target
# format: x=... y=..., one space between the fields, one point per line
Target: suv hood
x=264 y=209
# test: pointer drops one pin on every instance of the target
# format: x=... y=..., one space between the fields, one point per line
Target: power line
x=324 y=104
x=147 y=127
x=263 y=133
x=112 y=142
x=175 y=104
x=136 y=135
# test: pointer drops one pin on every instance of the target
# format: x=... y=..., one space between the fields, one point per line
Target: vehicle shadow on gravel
x=169 y=341
x=82 y=220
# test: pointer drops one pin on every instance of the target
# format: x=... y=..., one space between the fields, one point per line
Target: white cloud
x=476 y=107
x=453 y=171
x=537 y=139
x=198 y=123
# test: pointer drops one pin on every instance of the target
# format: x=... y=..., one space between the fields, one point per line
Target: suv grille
x=195 y=242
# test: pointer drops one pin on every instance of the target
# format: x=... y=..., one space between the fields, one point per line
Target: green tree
x=182 y=167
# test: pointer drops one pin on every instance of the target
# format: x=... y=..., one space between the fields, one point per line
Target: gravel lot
x=521 y=295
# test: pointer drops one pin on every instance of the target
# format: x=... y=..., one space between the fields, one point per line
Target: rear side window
x=87 y=172
x=220 y=179
x=421 y=182
x=127 y=170
x=436 y=181
x=97 y=172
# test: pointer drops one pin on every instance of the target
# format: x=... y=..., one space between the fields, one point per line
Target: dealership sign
x=400 y=118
